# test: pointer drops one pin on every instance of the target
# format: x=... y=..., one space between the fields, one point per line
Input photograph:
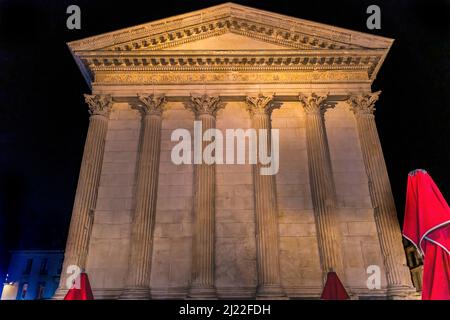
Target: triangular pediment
x=228 y=41
x=280 y=30
x=231 y=38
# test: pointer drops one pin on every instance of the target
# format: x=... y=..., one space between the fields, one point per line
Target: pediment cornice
x=292 y=32
x=262 y=31
x=233 y=60
x=308 y=45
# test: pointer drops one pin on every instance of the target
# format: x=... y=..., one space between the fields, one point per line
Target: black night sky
x=43 y=118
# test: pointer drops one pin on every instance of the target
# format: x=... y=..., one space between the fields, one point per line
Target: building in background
x=33 y=274
x=415 y=264
x=10 y=290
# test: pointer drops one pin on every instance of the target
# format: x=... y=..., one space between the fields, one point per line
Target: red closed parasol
x=84 y=292
x=427 y=226
x=333 y=289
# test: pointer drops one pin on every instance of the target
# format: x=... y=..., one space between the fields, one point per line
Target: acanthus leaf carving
x=204 y=104
x=363 y=103
x=314 y=104
x=99 y=104
x=261 y=104
x=151 y=104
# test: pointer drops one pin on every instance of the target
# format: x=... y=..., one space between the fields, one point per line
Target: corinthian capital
x=99 y=104
x=151 y=104
x=363 y=104
x=314 y=104
x=261 y=104
x=204 y=104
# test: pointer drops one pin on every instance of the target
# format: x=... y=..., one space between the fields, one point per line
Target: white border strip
x=437 y=243
x=419 y=247
x=415 y=245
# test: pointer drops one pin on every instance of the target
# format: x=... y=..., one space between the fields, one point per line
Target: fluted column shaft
x=86 y=195
x=202 y=281
x=205 y=174
x=322 y=184
x=389 y=234
x=266 y=210
x=139 y=268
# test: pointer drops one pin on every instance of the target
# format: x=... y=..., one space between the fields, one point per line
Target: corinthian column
x=86 y=196
x=389 y=234
x=322 y=183
x=140 y=264
x=202 y=282
x=266 y=210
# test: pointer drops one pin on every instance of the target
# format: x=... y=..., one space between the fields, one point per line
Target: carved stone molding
x=363 y=104
x=151 y=104
x=227 y=77
x=204 y=104
x=294 y=32
x=259 y=30
x=236 y=60
x=303 y=45
x=99 y=104
x=314 y=104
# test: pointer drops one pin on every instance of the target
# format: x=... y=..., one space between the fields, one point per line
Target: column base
x=202 y=293
x=270 y=292
x=402 y=293
x=59 y=294
x=135 y=293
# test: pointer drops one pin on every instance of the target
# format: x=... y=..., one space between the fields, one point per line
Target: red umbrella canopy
x=427 y=226
x=84 y=292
